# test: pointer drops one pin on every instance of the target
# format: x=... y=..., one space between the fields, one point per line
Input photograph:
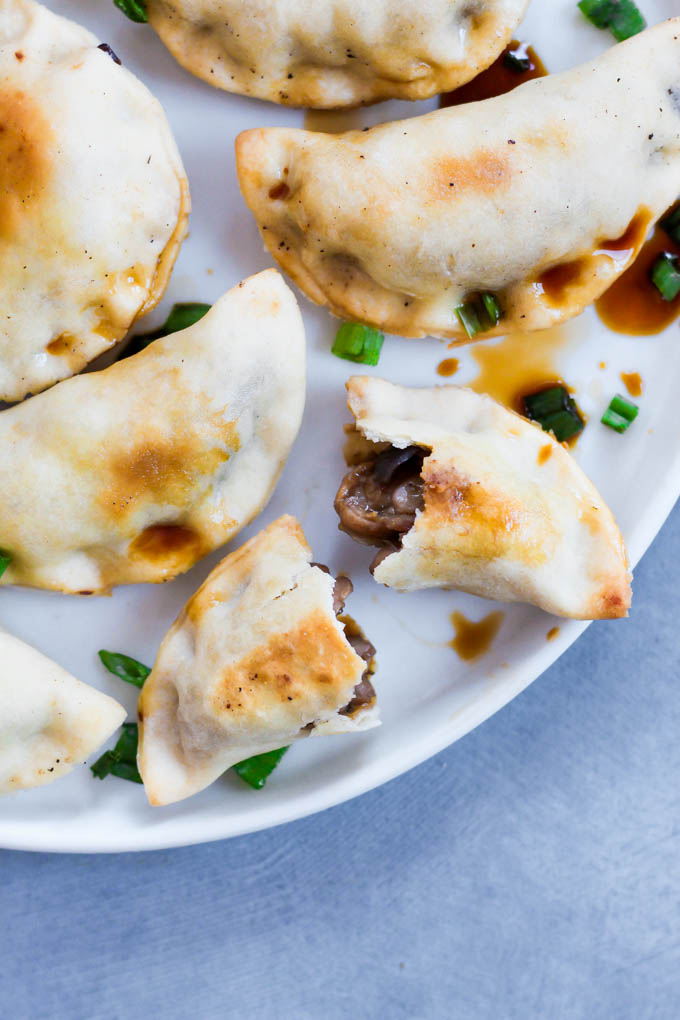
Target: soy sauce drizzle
x=472 y=639
x=498 y=79
x=448 y=367
x=633 y=305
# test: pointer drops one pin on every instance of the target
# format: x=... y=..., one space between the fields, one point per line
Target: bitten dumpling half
x=334 y=53
x=49 y=721
x=135 y=472
x=459 y=492
x=94 y=200
x=540 y=197
x=258 y=658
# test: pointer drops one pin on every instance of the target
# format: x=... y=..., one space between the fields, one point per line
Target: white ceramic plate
x=428 y=697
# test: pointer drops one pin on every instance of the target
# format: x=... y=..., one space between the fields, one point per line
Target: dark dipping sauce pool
x=498 y=79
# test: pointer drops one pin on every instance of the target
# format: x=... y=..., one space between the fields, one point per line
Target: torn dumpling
x=49 y=721
x=537 y=200
x=334 y=53
x=134 y=473
x=94 y=201
x=459 y=492
x=258 y=658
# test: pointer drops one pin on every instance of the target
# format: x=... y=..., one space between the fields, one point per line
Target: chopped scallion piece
x=518 y=60
x=555 y=411
x=493 y=309
x=620 y=414
x=468 y=316
x=666 y=276
x=256 y=770
x=359 y=343
x=621 y=17
x=182 y=315
x=671 y=224
x=135 y=10
x=121 y=761
x=479 y=313
x=124 y=667
x=5 y=560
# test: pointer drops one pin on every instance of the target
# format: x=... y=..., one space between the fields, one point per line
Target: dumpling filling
x=379 y=498
x=364 y=692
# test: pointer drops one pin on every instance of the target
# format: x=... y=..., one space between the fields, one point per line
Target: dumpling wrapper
x=94 y=200
x=254 y=657
x=49 y=721
x=135 y=472
x=542 y=196
x=334 y=53
x=508 y=515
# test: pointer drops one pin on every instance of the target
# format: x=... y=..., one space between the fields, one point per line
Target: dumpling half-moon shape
x=256 y=659
x=135 y=472
x=93 y=199
x=49 y=721
x=540 y=197
x=461 y=493
x=332 y=53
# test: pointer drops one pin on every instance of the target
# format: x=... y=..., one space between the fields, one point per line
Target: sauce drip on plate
x=518 y=364
x=633 y=383
x=498 y=79
x=633 y=305
x=472 y=639
x=448 y=367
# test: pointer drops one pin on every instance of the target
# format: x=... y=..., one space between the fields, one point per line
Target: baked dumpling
x=93 y=199
x=49 y=721
x=256 y=659
x=461 y=493
x=136 y=472
x=332 y=53
x=539 y=198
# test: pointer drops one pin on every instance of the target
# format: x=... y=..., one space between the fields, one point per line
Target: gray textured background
x=530 y=871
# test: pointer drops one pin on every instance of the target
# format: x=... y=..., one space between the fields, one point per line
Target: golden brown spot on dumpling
x=170 y=468
x=62 y=344
x=545 y=453
x=485 y=525
x=169 y=544
x=279 y=191
x=484 y=172
x=164 y=471
x=25 y=139
x=312 y=662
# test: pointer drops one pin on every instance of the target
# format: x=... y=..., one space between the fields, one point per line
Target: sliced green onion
x=620 y=414
x=493 y=308
x=124 y=667
x=135 y=10
x=540 y=405
x=479 y=313
x=518 y=60
x=468 y=316
x=121 y=761
x=555 y=411
x=666 y=276
x=5 y=560
x=256 y=770
x=621 y=17
x=355 y=342
x=182 y=315
x=671 y=224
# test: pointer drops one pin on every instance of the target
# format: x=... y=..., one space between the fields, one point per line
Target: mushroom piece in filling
x=364 y=692
x=378 y=499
